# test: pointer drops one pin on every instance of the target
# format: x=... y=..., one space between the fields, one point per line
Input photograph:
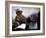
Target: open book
x=21 y=26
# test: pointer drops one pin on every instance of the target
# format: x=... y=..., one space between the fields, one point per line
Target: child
x=19 y=19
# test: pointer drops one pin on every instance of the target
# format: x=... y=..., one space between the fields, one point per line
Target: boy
x=19 y=19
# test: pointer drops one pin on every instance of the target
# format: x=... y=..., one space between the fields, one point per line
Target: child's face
x=33 y=18
x=19 y=13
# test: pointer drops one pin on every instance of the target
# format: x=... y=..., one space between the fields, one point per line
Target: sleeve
x=23 y=19
x=16 y=22
x=17 y=19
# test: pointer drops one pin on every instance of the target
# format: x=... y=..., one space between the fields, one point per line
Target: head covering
x=18 y=11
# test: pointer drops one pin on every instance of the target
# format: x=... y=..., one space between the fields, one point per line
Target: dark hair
x=18 y=11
